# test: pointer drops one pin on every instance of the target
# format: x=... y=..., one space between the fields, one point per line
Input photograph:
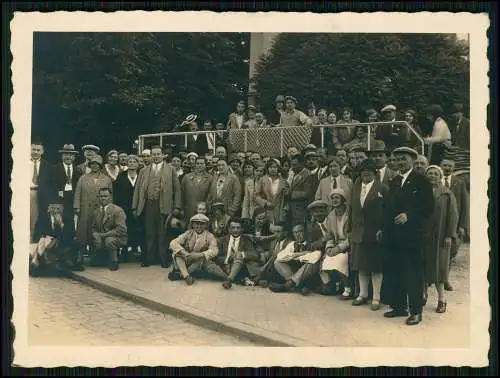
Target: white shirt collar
x=368 y=185
x=405 y=176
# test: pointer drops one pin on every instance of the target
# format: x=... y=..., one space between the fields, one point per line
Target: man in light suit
x=157 y=193
x=335 y=180
x=459 y=189
x=301 y=189
x=109 y=228
x=380 y=154
x=238 y=118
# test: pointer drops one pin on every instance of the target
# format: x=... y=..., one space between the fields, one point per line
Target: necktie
x=103 y=217
x=323 y=228
x=378 y=174
x=363 y=195
x=447 y=181
x=68 y=175
x=334 y=183
x=35 y=172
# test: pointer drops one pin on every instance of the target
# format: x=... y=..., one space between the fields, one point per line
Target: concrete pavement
x=290 y=319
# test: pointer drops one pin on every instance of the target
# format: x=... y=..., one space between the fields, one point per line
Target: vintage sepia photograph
x=242 y=188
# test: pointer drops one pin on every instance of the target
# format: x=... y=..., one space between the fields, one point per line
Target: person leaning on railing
x=292 y=116
x=440 y=138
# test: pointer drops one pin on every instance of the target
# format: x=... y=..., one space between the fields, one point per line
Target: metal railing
x=266 y=139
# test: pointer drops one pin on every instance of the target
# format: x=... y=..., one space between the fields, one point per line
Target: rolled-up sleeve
x=177 y=245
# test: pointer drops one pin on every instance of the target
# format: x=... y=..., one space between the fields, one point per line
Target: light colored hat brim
x=317 y=204
x=68 y=152
x=199 y=218
x=91 y=147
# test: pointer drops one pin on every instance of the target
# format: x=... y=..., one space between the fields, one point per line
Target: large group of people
x=377 y=226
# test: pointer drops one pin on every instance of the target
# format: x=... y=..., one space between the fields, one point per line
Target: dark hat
x=258 y=210
x=367 y=165
x=412 y=112
x=405 y=150
x=457 y=108
x=291 y=98
x=68 y=149
x=218 y=204
x=371 y=111
x=379 y=146
x=280 y=98
x=91 y=147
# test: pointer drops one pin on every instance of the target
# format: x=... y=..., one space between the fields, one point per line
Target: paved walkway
x=289 y=318
x=65 y=312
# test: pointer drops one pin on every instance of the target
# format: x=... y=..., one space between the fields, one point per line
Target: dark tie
x=378 y=174
x=35 y=172
x=103 y=219
x=334 y=183
x=68 y=175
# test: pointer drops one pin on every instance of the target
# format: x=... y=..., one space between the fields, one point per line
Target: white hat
x=91 y=147
x=388 y=108
x=199 y=218
x=405 y=150
x=192 y=154
x=146 y=152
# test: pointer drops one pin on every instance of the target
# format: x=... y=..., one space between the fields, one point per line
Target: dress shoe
x=113 y=266
x=145 y=264
x=282 y=288
x=189 y=280
x=359 y=301
x=448 y=287
x=174 y=275
x=227 y=284
x=324 y=289
x=263 y=283
x=441 y=307
x=305 y=291
x=375 y=306
x=414 y=319
x=396 y=313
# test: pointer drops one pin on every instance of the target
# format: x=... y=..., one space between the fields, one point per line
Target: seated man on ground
x=109 y=228
x=55 y=252
x=280 y=240
x=237 y=257
x=296 y=263
x=193 y=250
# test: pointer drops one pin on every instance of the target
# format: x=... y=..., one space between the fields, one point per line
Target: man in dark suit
x=459 y=189
x=410 y=202
x=380 y=154
x=41 y=186
x=66 y=177
x=195 y=142
x=301 y=189
x=237 y=256
x=109 y=228
x=460 y=128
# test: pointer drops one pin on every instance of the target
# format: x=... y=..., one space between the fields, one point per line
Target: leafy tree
x=107 y=88
x=365 y=70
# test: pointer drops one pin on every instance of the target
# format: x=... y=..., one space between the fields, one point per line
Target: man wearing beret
x=410 y=203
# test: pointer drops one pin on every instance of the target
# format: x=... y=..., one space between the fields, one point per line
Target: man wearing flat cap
x=66 y=176
x=317 y=229
x=393 y=135
x=291 y=116
x=410 y=203
x=89 y=151
x=193 y=250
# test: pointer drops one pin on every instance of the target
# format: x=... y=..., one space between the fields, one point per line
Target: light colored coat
x=194 y=191
x=263 y=194
x=231 y=193
x=86 y=201
x=170 y=190
x=325 y=188
x=249 y=203
x=191 y=242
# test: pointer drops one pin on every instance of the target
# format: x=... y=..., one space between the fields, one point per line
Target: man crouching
x=193 y=250
x=296 y=263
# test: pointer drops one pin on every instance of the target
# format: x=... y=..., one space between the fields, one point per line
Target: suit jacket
x=46 y=187
x=68 y=197
x=231 y=193
x=200 y=145
x=170 y=190
x=113 y=223
x=191 y=242
x=325 y=188
x=245 y=245
x=416 y=199
x=365 y=221
x=302 y=187
x=461 y=134
x=459 y=189
x=388 y=176
x=64 y=235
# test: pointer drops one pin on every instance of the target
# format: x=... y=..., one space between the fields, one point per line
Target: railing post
x=185 y=140
x=369 y=136
x=161 y=141
x=245 y=140
x=281 y=143
x=322 y=137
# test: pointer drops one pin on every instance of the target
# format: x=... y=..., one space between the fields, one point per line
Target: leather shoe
x=113 y=266
x=189 y=280
x=324 y=289
x=448 y=287
x=174 y=275
x=305 y=291
x=359 y=301
x=281 y=288
x=375 y=306
x=145 y=264
x=396 y=314
x=263 y=283
x=227 y=285
x=441 y=307
x=414 y=319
